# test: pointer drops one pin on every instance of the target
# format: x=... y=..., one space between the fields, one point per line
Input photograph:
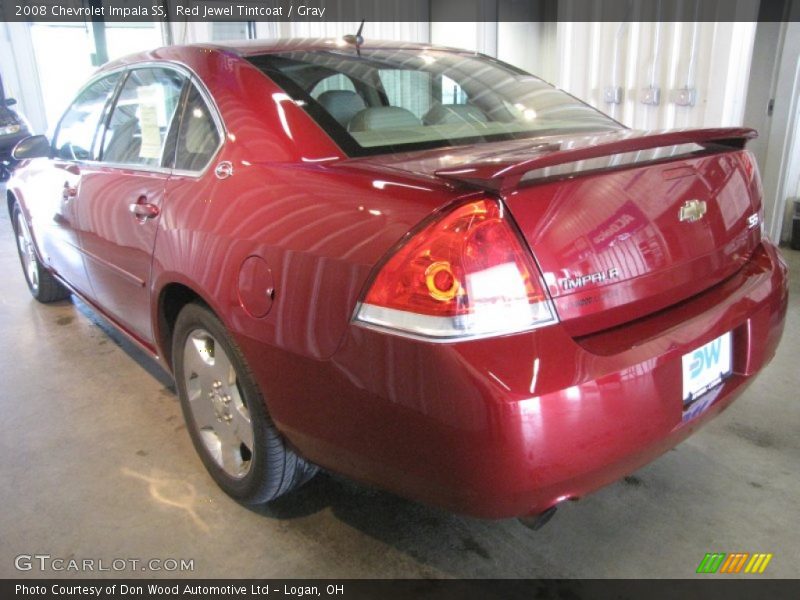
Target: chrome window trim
x=192 y=78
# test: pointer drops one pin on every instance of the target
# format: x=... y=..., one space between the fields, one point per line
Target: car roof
x=245 y=48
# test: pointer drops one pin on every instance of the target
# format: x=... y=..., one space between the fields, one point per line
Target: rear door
x=123 y=194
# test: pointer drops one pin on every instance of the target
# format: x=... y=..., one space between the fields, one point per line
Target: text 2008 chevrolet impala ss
x=422 y=268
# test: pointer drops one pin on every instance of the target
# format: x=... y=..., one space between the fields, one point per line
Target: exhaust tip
x=536 y=522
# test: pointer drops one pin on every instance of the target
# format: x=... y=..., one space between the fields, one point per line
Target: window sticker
x=148 y=97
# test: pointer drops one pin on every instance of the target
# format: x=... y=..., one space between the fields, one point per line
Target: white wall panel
x=781 y=173
x=761 y=86
x=711 y=58
x=476 y=36
x=523 y=44
x=20 y=73
x=185 y=32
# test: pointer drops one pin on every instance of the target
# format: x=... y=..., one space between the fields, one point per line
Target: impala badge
x=582 y=280
x=692 y=210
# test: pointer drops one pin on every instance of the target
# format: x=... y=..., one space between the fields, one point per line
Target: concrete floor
x=96 y=463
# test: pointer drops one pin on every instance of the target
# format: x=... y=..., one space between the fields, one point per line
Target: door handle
x=143 y=210
x=69 y=191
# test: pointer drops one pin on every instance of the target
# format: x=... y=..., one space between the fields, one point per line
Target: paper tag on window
x=148 y=121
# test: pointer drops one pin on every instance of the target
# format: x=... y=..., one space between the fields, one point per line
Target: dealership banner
x=387 y=589
x=396 y=10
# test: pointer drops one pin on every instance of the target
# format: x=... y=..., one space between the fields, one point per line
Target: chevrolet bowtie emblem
x=692 y=210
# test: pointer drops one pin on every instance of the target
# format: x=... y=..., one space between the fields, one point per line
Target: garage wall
x=781 y=170
x=20 y=73
x=672 y=60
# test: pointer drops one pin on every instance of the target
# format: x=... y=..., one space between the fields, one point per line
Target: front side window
x=141 y=118
x=77 y=132
x=198 y=137
x=409 y=98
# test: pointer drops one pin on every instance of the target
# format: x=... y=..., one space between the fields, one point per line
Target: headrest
x=383 y=117
x=341 y=104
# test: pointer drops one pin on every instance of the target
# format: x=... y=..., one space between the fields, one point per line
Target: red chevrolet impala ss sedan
x=422 y=268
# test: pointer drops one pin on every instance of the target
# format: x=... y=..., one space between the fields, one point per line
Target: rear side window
x=141 y=118
x=78 y=129
x=198 y=137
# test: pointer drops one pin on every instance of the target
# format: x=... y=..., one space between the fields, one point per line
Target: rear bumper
x=510 y=426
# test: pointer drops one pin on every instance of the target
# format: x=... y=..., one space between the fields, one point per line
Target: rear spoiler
x=506 y=173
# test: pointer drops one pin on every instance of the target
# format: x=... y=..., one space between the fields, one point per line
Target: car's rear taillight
x=466 y=275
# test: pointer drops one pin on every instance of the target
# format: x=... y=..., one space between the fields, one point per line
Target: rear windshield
x=392 y=100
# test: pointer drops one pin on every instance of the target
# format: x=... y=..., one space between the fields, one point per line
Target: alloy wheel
x=218 y=410
x=27 y=252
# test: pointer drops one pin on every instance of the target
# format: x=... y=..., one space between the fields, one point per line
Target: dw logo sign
x=705 y=367
x=706 y=357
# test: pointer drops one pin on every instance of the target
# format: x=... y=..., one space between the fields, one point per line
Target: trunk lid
x=620 y=245
x=622 y=224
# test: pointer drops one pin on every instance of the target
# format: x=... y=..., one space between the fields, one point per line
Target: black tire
x=274 y=468
x=42 y=283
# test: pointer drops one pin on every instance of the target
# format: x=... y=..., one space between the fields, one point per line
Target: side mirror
x=10 y=101
x=35 y=146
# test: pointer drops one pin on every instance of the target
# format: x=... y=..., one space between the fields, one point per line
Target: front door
x=56 y=201
x=124 y=195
